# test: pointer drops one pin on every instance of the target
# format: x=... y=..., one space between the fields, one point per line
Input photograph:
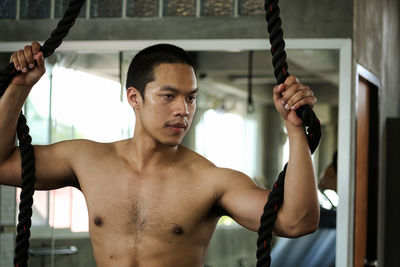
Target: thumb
x=278 y=89
x=40 y=62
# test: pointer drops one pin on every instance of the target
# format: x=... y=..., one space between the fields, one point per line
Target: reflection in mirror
x=83 y=96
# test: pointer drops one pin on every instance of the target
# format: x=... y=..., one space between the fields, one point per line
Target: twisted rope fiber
x=275 y=198
x=25 y=140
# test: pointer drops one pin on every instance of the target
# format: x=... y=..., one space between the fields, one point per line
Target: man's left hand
x=291 y=95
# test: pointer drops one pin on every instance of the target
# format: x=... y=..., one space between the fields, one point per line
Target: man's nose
x=181 y=108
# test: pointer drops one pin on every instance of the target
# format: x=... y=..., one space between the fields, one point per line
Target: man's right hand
x=24 y=61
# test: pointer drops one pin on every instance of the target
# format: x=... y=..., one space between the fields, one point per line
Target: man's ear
x=134 y=97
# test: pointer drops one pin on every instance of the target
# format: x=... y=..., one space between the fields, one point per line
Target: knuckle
x=36 y=46
x=20 y=52
x=290 y=79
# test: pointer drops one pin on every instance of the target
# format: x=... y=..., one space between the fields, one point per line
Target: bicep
x=53 y=168
x=243 y=200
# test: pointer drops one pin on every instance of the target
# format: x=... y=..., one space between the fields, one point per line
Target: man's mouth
x=177 y=126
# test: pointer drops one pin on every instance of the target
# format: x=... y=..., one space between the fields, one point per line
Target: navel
x=98 y=221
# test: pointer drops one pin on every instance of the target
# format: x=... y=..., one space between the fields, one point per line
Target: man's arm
x=299 y=214
x=57 y=171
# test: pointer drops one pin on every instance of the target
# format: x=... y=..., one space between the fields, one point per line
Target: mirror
x=86 y=95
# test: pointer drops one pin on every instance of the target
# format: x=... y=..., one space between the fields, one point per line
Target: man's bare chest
x=160 y=204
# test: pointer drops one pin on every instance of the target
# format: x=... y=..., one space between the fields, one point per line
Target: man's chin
x=171 y=143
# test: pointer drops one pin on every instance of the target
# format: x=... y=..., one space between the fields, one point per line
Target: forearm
x=10 y=107
x=300 y=208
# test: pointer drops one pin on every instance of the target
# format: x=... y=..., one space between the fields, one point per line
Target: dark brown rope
x=275 y=198
x=25 y=140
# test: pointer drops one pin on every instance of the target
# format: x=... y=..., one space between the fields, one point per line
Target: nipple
x=98 y=221
x=178 y=230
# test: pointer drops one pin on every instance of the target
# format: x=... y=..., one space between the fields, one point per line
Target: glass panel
x=39 y=207
x=38 y=9
x=217 y=8
x=38 y=111
x=86 y=119
x=79 y=219
x=142 y=8
x=251 y=7
x=105 y=8
x=8 y=9
x=60 y=208
x=217 y=145
x=179 y=8
x=61 y=6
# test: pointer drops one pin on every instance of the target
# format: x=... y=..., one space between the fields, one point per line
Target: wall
x=376 y=47
x=84 y=257
x=305 y=19
x=7 y=222
x=7 y=211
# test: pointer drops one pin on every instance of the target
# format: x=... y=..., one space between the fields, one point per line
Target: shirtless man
x=151 y=201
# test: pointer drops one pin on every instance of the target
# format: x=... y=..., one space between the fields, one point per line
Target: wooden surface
x=361 y=194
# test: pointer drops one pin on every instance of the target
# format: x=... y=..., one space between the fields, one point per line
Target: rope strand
x=275 y=198
x=25 y=140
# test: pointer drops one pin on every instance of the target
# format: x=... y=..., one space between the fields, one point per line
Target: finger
x=290 y=91
x=11 y=57
x=279 y=88
x=310 y=101
x=14 y=59
x=29 y=57
x=35 y=48
x=40 y=62
x=291 y=80
x=22 y=61
x=299 y=95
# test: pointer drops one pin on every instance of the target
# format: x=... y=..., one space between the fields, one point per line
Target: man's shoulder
x=86 y=144
x=84 y=148
x=192 y=158
x=206 y=168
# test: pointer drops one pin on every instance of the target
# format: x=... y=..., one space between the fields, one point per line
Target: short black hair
x=141 y=69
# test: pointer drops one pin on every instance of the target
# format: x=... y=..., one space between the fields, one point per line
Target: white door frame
x=346 y=121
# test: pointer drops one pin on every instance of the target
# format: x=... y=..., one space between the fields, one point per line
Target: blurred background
x=82 y=95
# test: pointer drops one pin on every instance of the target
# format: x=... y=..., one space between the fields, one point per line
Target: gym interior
x=346 y=51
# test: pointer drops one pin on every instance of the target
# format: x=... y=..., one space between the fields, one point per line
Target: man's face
x=170 y=103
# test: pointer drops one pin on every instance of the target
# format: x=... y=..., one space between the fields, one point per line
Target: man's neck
x=146 y=153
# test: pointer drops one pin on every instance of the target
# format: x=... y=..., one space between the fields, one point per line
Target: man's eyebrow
x=195 y=91
x=173 y=89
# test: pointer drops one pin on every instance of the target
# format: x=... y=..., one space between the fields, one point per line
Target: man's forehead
x=176 y=90
x=178 y=76
x=167 y=67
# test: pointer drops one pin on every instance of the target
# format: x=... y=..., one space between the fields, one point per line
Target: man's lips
x=177 y=126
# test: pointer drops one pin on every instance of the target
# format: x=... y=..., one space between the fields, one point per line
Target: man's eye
x=192 y=98
x=169 y=96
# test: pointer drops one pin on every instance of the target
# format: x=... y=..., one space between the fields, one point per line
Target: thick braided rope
x=26 y=148
x=275 y=198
